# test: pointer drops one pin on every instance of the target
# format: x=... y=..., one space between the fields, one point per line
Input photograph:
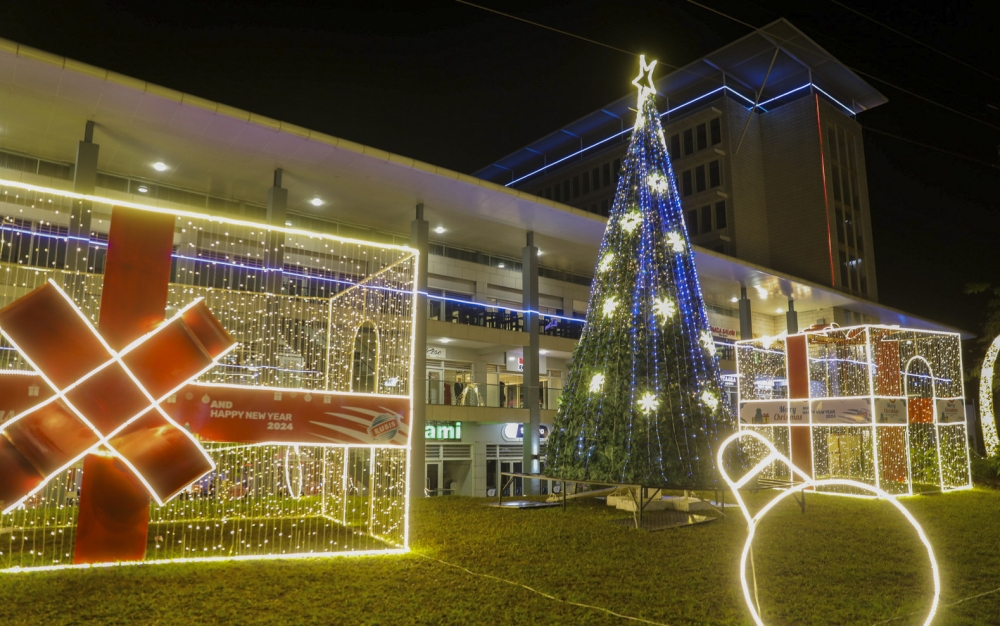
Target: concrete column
x=529 y=290
x=85 y=182
x=418 y=472
x=746 y=320
x=792 y=318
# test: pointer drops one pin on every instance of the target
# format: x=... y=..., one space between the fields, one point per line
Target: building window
x=566 y=191
x=548 y=192
x=586 y=182
x=714 y=174
x=691 y=217
x=720 y=215
x=618 y=168
x=576 y=187
x=558 y=195
x=607 y=174
x=596 y=177
x=706 y=219
x=844 y=270
x=702 y=134
x=675 y=146
x=688 y=142
x=686 y=177
x=720 y=248
x=699 y=178
x=604 y=208
x=715 y=126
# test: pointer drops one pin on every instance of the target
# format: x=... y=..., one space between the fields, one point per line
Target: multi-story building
x=768 y=157
x=508 y=271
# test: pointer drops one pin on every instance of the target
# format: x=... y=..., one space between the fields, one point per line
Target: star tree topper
x=645 y=76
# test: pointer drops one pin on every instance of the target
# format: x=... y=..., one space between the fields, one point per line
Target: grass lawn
x=845 y=561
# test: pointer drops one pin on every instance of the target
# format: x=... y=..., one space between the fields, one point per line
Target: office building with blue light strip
x=768 y=157
x=509 y=259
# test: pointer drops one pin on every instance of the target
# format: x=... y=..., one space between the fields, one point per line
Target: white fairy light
x=986 y=399
x=609 y=306
x=664 y=308
x=631 y=221
x=708 y=342
x=658 y=182
x=676 y=242
x=606 y=262
x=648 y=403
x=597 y=383
x=644 y=81
x=710 y=399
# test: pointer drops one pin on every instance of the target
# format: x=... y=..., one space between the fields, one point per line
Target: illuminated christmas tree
x=644 y=403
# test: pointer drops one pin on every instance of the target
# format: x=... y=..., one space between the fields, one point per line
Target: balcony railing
x=450 y=393
x=503 y=318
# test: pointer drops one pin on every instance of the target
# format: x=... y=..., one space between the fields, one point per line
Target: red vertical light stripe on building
x=826 y=195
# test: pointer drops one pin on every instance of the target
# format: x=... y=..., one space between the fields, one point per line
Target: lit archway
x=988 y=420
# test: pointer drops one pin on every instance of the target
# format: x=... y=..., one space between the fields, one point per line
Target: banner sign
x=764 y=412
x=842 y=411
x=951 y=411
x=258 y=415
x=890 y=411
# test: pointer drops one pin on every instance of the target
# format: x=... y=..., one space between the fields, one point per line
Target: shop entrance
x=432 y=484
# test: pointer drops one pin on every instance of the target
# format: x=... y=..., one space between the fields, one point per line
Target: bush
x=986 y=470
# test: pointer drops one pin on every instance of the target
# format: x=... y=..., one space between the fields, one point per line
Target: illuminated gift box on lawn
x=176 y=386
x=881 y=405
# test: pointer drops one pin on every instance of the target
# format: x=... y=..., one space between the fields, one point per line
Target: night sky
x=459 y=87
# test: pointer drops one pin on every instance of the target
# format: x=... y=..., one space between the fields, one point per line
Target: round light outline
x=987 y=415
x=808 y=483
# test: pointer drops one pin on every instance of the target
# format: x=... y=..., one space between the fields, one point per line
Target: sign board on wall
x=443 y=431
x=842 y=411
x=764 y=412
x=890 y=411
x=951 y=411
x=724 y=326
x=515 y=432
x=434 y=352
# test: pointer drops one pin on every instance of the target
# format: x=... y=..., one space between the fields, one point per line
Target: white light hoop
x=986 y=412
x=752 y=520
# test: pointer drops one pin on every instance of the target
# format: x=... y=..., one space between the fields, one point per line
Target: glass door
x=433 y=479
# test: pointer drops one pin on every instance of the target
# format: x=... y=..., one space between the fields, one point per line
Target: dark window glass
x=675 y=146
x=836 y=182
x=702 y=134
x=716 y=130
x=864 y=284
x=721 y=248
x=558 y=193
x=844 y=270
x=604 y=208
x=618 y=168
x=691 y=217
x=595 y=176
x=714 y=174
x=861 y=245
x=586 y=182
x=593 y=208
x=831 y=142
x=576 y=187
x=548 y=192
x=699 y=177
x=688 y=142
x=849 y=226
x=607 y=174
x=686 y=177
x=706 y=219
x=840 y=225
x=720 y=215
x=566 y=191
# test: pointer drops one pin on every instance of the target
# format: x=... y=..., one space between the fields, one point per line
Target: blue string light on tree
x=644 y=403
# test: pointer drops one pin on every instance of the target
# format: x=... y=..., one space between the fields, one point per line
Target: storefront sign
x=890 y=411
x=950 y=411
x=842 y=411
x=757 y=412
x=246 y=415
x=515 y=432
x=724 y=326
x=434 y=352
x=443 y=431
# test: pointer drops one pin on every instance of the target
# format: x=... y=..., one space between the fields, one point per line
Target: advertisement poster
x=757 y=412
x=248 y=415
x=951 y=411
x=890 y=411
x=842 y=411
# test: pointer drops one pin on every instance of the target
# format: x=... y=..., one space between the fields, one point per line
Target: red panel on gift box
x=108 y=398
x=50 y=437
x=19 y=476
x=161 y=453
x=167 y=359
x=137 y=273
x=51 y=333
x=114 y=516
x=213 y=337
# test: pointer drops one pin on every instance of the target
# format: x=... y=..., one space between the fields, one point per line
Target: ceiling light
x=539 y=253
x=543 y=352
x=288 y=223
x=160 y=166
x=500 y=265
x=780 y=310
x=735 y=299
x=316 y=202
x=439 y=230
x=444 y=340
x=142 y=189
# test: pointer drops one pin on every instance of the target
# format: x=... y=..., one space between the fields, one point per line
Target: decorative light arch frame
x=986 y=407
